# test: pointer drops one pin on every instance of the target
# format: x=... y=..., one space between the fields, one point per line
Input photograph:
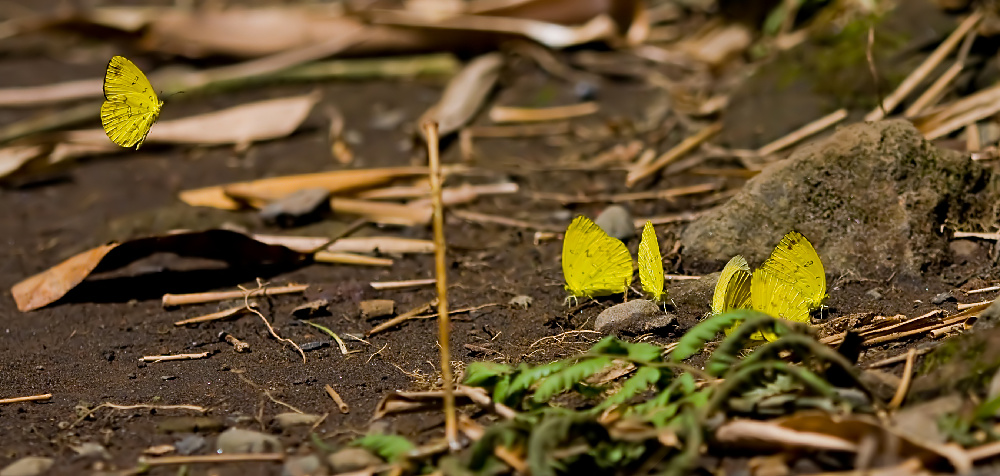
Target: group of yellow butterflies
x=789 y=284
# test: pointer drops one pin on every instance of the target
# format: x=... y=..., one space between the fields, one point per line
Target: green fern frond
x=526 y=376
x=481 y=374
x=565 y=379
x=388 y=447
x=637 y=383
x=693 y=341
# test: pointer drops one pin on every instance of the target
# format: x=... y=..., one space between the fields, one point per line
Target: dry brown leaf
x=241 y=125
x=48 y=286
x=14 y=158
x=465 y=94
x=221 y=196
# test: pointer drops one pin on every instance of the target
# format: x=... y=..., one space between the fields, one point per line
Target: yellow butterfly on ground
x=594 y=264
x=790 y=283
x=651 y=263
x=732 y=291
x=130 y=104
x=796 y=261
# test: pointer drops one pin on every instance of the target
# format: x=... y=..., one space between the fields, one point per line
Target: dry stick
x=962 y=120
x=501 y=220
x=246 y=302
x=973 y=234
x=444 y=322
x=983 y=290
x=135 y=407
x=33 y=398
x=519 y=114
x=167 y=358
x=989 y=450
x=412 y=313
x=341 y=404
x=904 y=385
x=171 y=300
x=223 y=314
x=412 y=283
x=973 y=141
x=962 y=307
x=350 y=258
x=870 y=56
x=899 y=358
x=933 y=93
x=210 y=459
x=678 y=151
x=351 y=228
x=925 y=68
x=805 y=131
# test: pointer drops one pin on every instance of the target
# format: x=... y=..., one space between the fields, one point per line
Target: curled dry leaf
x=465 y=94
x=241 y=125
x=234 y=196
x=48 y=286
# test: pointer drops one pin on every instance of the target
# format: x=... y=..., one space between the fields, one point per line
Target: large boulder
x=872 y=198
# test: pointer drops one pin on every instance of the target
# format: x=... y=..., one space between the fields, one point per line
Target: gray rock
x=870 y=198
x=616 y=221
x=291 y=419
x=189 y=444
x=352 y=459
x=309 y=465
x=297 y=208
x=942 y=298
x=639 y=316
x=235 y=440
x=28 y=466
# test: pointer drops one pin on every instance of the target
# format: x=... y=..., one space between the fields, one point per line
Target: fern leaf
x=565 y=379
x=610 y=345
x=388 y=447
x=638 y=382
x=726 y=355
x=694 y=340
x=526 y=376
x=480 y=374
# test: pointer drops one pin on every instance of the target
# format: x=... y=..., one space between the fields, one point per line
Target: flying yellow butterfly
x=130 y=105
x=594 y=264
x=650 y=263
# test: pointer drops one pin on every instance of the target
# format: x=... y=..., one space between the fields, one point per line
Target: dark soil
x=86 y=351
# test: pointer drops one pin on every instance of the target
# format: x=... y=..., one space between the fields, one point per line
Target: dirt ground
x=85 y=349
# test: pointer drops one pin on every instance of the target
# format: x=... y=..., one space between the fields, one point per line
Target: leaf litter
x=660 y=410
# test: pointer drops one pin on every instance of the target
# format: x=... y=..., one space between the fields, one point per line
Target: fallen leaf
x=465 y=94
x=48 y=286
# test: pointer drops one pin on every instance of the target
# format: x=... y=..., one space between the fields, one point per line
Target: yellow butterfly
x=594 y=264
x=796 y=261
x=651 y=263
x=790 y=283
x=732 y=291
x=130 y=105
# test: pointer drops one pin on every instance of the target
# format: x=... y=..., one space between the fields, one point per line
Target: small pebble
x=314 y=345
x=292 y=419
x=523 y=301
x=27 y=466
x=636 y=317
x=374 y=308
x=943 y=297
x=302 y=465
x=616 y=221
x=91 y=450
x=235 y=440
x=168 y=377
x=874 y=294
x=297 y=208
x=190 y=444
x=352 y=459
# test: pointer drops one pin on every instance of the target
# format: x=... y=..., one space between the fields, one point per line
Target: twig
x=246 y=302
x=211 y=459
x=899 y=358
x=135 y=407
x=440 y=248
x=989 y=450
x=238 y=345
x=171 y=300
x=680 y=277
x=983 y=290
x=341 y=404
x=982 y=236
x=904 y=385
x=223 y=314
x=627 y=197
x=519 y=114
x=350 y=258
x=906 y=87
x=167 y=358
x=401 y=318
x=500 y=220
x=32 y=398
x=412 y=283
x=962 y=306
x=935 y=90
x=807 y=130
x=958 y=122
x=351 y=228
x=687 y=145
x=667 y=219
x=869 y=55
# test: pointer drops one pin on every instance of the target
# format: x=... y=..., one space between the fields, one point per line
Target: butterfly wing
x=130 y=103
x=772 y=294
x=650 y=263
x=732 y=291
x=796 y=261
x=594 y=264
